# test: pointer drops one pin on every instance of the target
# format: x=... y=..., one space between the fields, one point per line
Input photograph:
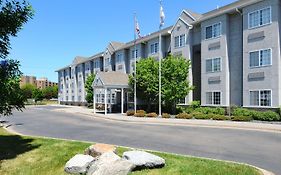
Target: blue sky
x=63 y=29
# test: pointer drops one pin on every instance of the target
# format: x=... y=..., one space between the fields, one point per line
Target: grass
x=21 y=155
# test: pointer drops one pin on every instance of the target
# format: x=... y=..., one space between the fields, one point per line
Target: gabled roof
x=111 y=79
x=195 y=16
x=78 y=60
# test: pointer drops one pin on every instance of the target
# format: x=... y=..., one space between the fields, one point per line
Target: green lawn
x=38 y=156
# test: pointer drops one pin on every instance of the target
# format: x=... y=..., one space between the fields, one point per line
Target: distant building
x=40 y=83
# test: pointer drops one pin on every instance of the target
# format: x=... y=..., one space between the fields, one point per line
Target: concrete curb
x=263 y=171
x=194 y=123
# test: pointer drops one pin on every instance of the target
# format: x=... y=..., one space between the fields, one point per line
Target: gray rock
x=143 y=160
x=110 y=164
x=78 y=164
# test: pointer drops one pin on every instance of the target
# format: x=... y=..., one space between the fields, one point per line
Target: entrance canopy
x=108 y=81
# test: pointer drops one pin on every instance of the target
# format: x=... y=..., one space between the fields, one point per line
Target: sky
x=63 y=29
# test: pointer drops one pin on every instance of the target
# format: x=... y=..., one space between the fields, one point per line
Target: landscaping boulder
x=143 y=160
x=78 y=164
x=110 y=164
x=98 y=149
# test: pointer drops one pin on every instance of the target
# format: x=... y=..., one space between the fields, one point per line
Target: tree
x=147 y=81
x=89 y=88
x=37 y=95
x=27 y=90
x=11 y=95
x=175 y=84
x=13 y=15
x=50 y=92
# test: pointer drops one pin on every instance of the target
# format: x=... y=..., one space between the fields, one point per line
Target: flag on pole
x=162 y=15
x=137 y=28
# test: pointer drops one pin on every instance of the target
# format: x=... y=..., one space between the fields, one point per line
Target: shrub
x=184 y=116
x=166 y=115
x=139 y=115
x=130 y=112
x=266 y=116
x=141 y=111
x=208 y=110
x=218 y=117
x=243 y=112
x=195 y=104
x=241 y=118
x=151 y=115
x=199 y=115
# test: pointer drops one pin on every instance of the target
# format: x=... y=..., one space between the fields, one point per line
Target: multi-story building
x=234 y=51
x=40 y=83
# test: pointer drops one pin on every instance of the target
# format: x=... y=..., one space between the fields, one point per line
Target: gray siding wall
x=185 y=51
x=236 y=58
x=271 y=40
x=221 y=52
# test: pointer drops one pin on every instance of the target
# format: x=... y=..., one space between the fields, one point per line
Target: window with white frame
x=154 y=48
x=107 y=62
x=96 y=64
x=259 y=17
x=120 y=58
x=213 y=98
x=213 y=31
x=213 y=65
x=134 y=53
x=260 y=98
x=260 y=58
x=180 y=41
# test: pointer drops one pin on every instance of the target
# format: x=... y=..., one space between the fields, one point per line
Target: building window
x=134 y=53
x=154 y=48
x=259 y=17
x=260 y=98
x=96 y=64
x=213 y=31
x=213 y=65
x=180 y=41
x=107 y=62
x=260 y=58
x=213 y=98
x=119 y=58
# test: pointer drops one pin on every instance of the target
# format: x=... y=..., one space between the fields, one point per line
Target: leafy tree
x=37 y=95
x=11 y=95
x=175 y=84
x=147 y=81
x=89 y=88
x=13 y=14
x=50 y=92
x=27 y=90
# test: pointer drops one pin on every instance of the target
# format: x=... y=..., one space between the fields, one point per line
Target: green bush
x=199 y=115
x=184 y=116
x=208 y=110
x=266 y=116
x=195 y=104
x=139 y=115
x=218 y=117
x=242 y=118
x=130 y=112
x=243 y=112
x=151 y=115
x=166 y=115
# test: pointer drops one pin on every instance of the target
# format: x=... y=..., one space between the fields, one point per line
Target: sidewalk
x=269 y=127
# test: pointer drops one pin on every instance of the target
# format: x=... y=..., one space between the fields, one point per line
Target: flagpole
x=160 y=56
x=135 y=65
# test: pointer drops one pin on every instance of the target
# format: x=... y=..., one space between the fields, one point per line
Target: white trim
x=259 y=51
x=189 y=15
x=259 y=10
x=183 y=43
x=180 y=19
x=259 y=91
x=153 y=53
x=213 y=37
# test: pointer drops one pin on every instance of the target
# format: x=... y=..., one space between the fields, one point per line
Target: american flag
x=137 y=28
x=162 y=15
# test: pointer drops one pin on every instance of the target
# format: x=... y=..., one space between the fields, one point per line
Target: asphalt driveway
x=262 y=149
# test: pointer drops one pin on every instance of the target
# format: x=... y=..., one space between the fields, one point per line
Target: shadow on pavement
x=13 y=145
